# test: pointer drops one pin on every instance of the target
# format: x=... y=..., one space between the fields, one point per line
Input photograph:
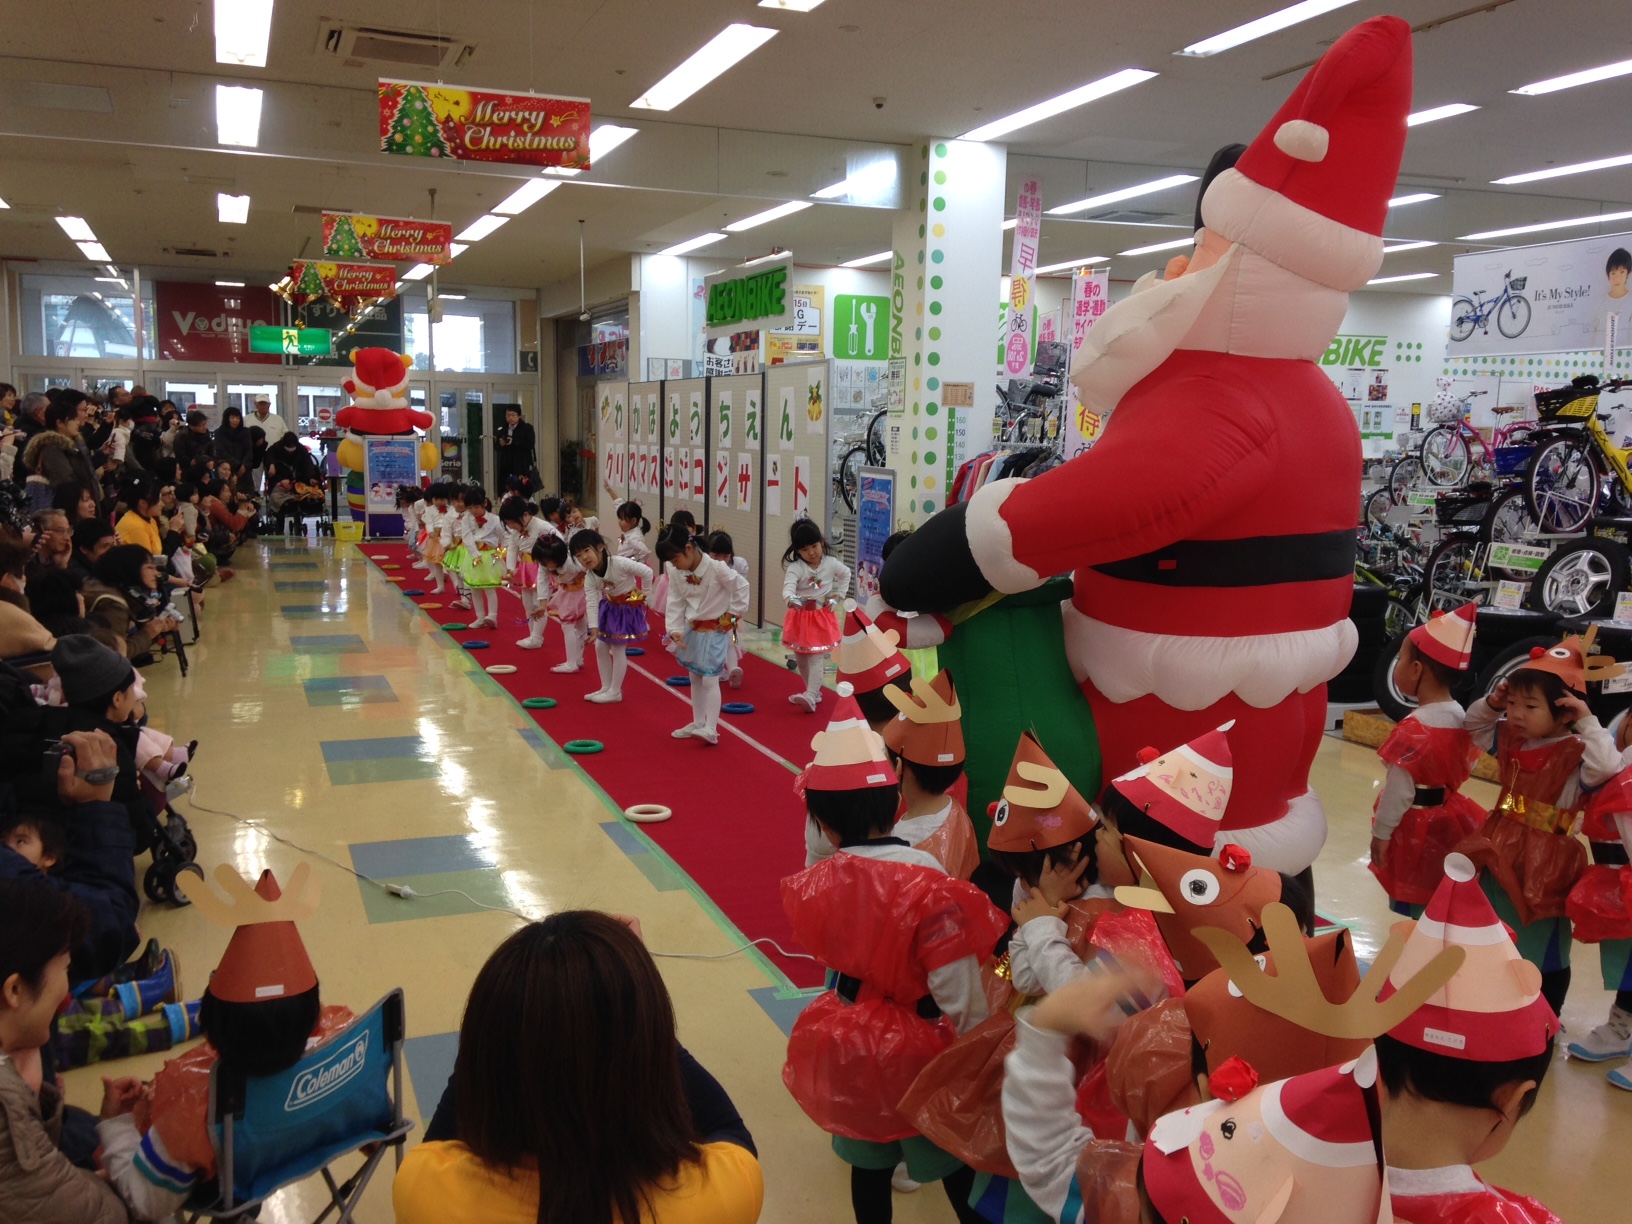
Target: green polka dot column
x=948 y=256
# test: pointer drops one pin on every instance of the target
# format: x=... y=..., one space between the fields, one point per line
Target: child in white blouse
x=485 y=542
x=633 y=526
x=523 y=528
x=560 y=594
x=705 y=600
x=723 y=549
x=614 y=606
x=815 y=581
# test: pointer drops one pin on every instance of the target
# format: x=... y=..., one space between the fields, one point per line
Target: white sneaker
x=734 y=677
x=603 y=698
x=1611 y=1039
x=423 y=565
x=686 y=732
x=487 y=622
x=461 y=602
x=707 y=736
x=900 y=1182
x=1621 y=1077
x=531 y=643
x=805 y=701
x=566 y=669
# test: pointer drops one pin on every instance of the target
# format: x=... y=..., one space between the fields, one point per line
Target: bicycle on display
x=1447 y=451
x=1510 y=309
x=1576 y=466
x=867 y=449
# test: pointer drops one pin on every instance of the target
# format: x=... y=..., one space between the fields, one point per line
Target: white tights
x=574 y=634
x=613 y=663
x=438 y=576
x=705 y=702
x=810 y=671
x=488 y=598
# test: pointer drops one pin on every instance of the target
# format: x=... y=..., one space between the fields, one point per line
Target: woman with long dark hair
x=573 y=1101
x=234 y=443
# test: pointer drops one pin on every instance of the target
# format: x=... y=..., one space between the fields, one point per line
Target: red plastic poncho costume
x=379 y=408
x=1210 y=532
x=1480 y=1204
x=890 y=925
x=1437 y=758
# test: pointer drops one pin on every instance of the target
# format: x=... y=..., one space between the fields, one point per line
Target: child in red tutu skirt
x=1420 y=815
x=815 y=581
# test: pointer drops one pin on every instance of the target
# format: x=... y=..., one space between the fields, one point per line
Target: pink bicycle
x=1447 y=449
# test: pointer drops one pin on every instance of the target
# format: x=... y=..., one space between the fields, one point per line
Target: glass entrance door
x=462 y=420
x=243 y=396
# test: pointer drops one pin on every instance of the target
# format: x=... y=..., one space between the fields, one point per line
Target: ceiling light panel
x=1435 y=113
x=692 y=244
x=94 y=251
x=3 y=204
x=76 y=229
x=606 y=138
x=769 y=215
x=1075 y=263
x=868 y=260
x=793 y=6
x=1408 y=246
x=231 y=209
x=1589 y=76
x=1541 y=226
x=242 y=30
x=1124 y=193
x=238 y=116
x=1535 y=176
x=1419 y=198
x=524 y=197
x=481 y=228
x=1263 y=26
x=1158 y=246
x=418 y=272
x=719 y=55
x=1080 y=96
x=229 y=284
x=1409 y=276
x=872 y=184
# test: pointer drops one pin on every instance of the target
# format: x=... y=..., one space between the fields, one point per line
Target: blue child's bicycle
x=1510 y=308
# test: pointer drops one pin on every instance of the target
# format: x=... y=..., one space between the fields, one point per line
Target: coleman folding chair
x=343 y=1097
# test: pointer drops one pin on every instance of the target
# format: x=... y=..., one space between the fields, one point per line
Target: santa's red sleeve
x=1169 y=470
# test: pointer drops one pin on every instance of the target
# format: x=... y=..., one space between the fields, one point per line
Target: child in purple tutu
x=815 y=582
x=615 y=607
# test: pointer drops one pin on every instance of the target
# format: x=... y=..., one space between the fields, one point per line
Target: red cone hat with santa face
x=265 y=959
x=868 y=658
x=1039 y=808
x=928 y=730
x=1311 y=192
x=1186 y=789
x=1491 y=1010
x=850 y=755
x=1448 y=637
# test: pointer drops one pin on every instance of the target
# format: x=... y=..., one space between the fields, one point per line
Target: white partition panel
x=794 y=480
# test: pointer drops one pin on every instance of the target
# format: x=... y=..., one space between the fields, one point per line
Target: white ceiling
x=106 y=110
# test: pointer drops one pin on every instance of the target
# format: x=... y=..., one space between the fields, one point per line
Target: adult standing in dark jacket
x=31 y=413
x=514 y=450
x=195 y=445
x=234 y=444
x=55 y=453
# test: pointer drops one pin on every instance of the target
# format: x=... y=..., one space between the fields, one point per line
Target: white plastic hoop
x=647 y=813
x=501 y=669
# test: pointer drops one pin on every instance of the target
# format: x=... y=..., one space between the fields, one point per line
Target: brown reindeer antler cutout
x=929 y=707
x=1295 y=995
x=1598 y=667
x=245 y=906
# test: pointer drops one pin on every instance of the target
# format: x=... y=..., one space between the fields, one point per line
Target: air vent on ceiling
x=1131 y=216
x=381 y=46
x=199 y=252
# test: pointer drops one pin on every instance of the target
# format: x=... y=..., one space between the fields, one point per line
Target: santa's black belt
x=1250 y=562
x=849 y=989
x=1428 y=796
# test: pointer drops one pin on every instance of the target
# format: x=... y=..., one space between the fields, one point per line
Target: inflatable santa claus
x=379 y=407
x=1210 y=533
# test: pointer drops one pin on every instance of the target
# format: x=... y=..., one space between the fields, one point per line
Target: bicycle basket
x=1462 y=507
x=1445 y=414
x=1511 y=460
x=1517 y=285
x=1567 y=403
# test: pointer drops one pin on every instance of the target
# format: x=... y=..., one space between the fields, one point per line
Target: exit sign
x=295 y=341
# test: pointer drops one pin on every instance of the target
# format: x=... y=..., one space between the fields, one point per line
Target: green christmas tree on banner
x=414 y=129
x=343 y=242
x=310 y=283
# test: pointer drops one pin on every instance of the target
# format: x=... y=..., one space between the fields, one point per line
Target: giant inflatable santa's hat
x=850 y=755
x=1040 y=809
x=1186 y=789
x=1311 y=192
x=265 y=959
x=868 y=658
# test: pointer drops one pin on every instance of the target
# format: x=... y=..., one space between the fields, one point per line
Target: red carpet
x=737 y=828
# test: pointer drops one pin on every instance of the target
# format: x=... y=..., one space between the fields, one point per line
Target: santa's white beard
x=1243 y=304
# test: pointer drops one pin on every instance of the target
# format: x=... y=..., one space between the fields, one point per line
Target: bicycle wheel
x=1404 y=477
x=1464 y=315
x=1562 y=484
x=1513 y=317
x=1400 y=616
x=1374 y=516
x=1454 y=574
x=877 y=452
x=1445 y=458
x=1509 y=521
x=850 y=473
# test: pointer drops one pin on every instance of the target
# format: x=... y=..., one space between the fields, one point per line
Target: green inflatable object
x=1009 y=664
x=539 y=703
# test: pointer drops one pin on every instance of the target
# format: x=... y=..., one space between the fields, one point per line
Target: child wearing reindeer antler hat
x=1420 y=815
x=1527 y=846
x=926 y=738
x=906 y=942
x=259 y=1012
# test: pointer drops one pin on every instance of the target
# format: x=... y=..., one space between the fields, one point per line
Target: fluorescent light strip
x=1409 y=276
x=1080 y=96
x=1265 y=25
x=869 y=260
x=1588 y=77
x=3 y=204
x=1125 y=193
x=94 y=251
x=238 y=116
x=418 y=272
x=1535 y=176
x=759 y=259
x=481 y=228
x=692 y=244
x=719 y=55
x=231 y=209
x=1158 y=246
x=452 y=297
x=1435 y=113
x=1545 y=225
x=793 y=6
x=242 y=30
x=228 y=284
x=456 y=249
x=769 y=215
x=1419 y=198
x=867 y=183
x=1066 y=267
x=1010 y=224
x=606 y=138
x=524 y=197
x=76 y=229
x=1408 y=246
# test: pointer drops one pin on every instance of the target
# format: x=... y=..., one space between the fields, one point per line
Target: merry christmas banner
x=311 y=280
x=350 y=236
x=420 y=120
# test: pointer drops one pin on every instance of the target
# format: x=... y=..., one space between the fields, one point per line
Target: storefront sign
x=1355 y=351
x=295 y=341
x=350 y=236
x=1028 y=229
x=603 y=358
x=800 y=339
x=420 y=120
x=380 y=326
x=741 y=295
x=204 y=322
x=860 y=327
x=1517 y=556
x=1553 y=298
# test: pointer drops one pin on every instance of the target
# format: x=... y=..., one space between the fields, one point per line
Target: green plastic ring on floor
x=583 y=747
x=455 y=626
x=538 y=703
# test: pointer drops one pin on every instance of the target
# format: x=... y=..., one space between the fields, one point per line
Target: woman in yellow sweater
x=572 y=1100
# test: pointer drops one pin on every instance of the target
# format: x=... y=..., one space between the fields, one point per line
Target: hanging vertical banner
x=351 y=236
x=421 y=120
x=1089 y=296
x=784 y=427
x=722 y=480
x=745 y=481
x=1028 y=231
x=773 y=484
